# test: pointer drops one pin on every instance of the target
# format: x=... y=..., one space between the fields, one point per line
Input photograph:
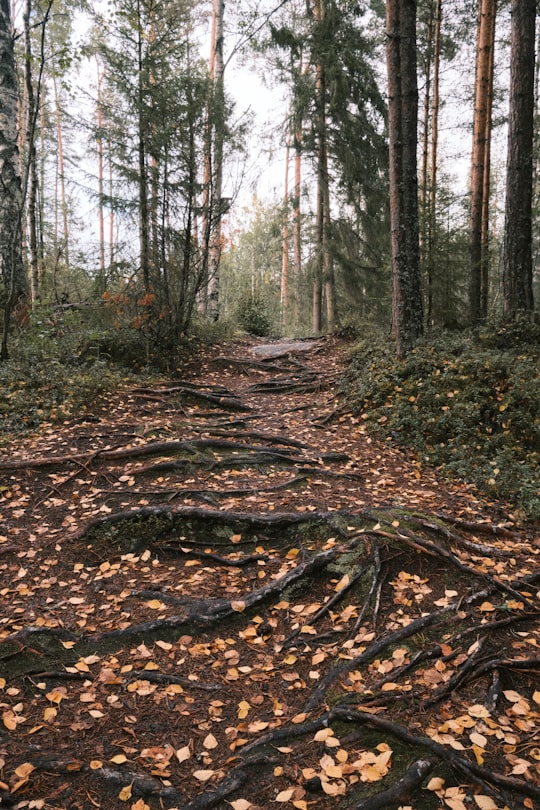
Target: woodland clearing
x=220 y=591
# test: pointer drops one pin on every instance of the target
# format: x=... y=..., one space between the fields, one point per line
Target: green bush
x=468 y=407
x=252 y=314
x=57 y=368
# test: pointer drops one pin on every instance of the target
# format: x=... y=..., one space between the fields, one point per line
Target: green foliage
x=470 y=408
x=60 y=365
x=253 y=316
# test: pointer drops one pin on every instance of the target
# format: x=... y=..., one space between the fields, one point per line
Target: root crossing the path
x=219 y=591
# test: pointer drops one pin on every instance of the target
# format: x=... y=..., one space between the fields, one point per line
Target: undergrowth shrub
x=470 y=408
x=57 y=369
x=253 y=316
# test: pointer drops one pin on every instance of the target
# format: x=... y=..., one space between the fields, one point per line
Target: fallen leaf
x=126 y=793
x=210 y=742
x=485 y=802
x=203 y=776
x=183 y=753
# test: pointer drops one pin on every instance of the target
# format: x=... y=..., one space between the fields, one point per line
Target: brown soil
x=220 y=591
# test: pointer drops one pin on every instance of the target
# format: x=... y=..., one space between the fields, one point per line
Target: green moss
x=470 y=408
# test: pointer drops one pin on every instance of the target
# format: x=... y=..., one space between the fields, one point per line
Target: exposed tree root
x=307 y=656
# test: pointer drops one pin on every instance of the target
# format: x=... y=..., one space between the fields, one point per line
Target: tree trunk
x=284 y=295
x=31 y=157
x=64 y=248
x=101 y=211
x=11 y=199
x=402 y=129
x=143 y=171
x=517 y=277
x=297 y=221
x=432 y=195
x=480 y=159
x=323 y=263
x=217 y=126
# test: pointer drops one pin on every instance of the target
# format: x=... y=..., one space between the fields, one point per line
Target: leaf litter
x=275 y=608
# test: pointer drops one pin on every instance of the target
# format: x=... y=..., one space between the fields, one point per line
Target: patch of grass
x=470 y=407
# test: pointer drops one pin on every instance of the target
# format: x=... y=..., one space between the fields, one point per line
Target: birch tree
x=15 y=289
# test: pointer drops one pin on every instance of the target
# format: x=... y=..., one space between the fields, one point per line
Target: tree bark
x=323 y=263
x=64 y=247
x=402 y=128
x=31 y=157
x=11 y=199
x=481 y=137
x=101 y=212
x=144 y=217
x=517 y=276
x=284 y=294
x=217 y=127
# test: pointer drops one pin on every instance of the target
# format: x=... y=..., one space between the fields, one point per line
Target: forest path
x=220 y=591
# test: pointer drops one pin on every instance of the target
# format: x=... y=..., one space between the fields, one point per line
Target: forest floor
x=219 y=591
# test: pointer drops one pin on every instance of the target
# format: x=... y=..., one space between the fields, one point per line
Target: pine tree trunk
x=432 y=196
x=517 y=277
x=218 y=123
x=101 y=212
x=62 y=249
x=297 y=222
x=481 y=137
x=284 y=294
x=144 y=247
x=407 y=320
x=323 y=263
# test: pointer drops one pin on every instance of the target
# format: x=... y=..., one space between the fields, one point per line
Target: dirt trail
x=219 y=591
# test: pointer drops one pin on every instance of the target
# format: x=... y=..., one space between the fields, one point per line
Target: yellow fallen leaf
x=485 y=802
x=50 y=713
x=258 y=725
x=210 y=742
x=165 y=645
x=118 y=759
x=240 y=804
x=243 y=709
x=343 y=582
x=436 y=783
x=140 y=804
x=9 y=720
x=238 y=605
x=512 y=695
x=155 y=604
x=203 y=776
x=479 y=754
x=95 y=764
x=323 y=734
x=24 y=770
x=284 y=795
x=478 y=739
x=183 y=753
x=125 y=794
x=478 y=711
